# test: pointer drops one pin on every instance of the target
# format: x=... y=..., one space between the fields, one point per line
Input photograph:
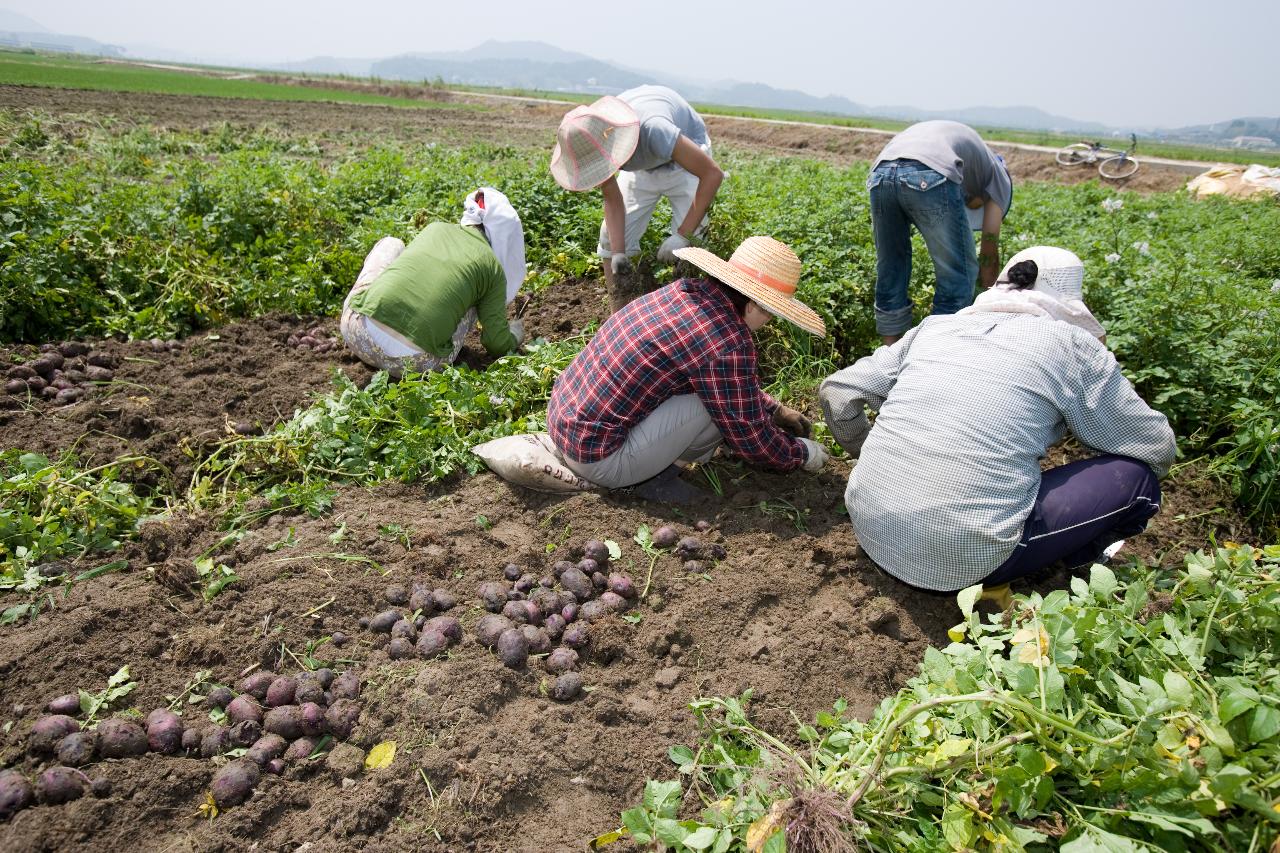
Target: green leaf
x=662 y=798
x=957 y=826
x=1265 y=723
x=615 y=552
x=669 y=831
x=1102 y=581
x=638 y=822
x=1236 y=701
x=1179 y=689
x=776 y=843
x=682 y=757
x=1095 y=840
x=967 y=598
x=701 y=838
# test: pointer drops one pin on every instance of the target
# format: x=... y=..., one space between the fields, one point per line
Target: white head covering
x=490 y=208
x=1055 y=292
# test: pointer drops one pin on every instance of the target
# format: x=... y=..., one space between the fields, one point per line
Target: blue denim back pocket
x=878 y=174
x=921 y=180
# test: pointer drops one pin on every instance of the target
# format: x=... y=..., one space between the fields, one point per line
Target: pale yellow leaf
x=381 y=755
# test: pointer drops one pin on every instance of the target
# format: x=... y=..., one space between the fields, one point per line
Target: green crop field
x=1138 y=709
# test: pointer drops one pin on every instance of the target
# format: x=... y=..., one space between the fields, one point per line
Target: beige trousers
x=679 y=429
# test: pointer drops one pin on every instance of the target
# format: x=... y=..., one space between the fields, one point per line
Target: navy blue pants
x=1082 y=508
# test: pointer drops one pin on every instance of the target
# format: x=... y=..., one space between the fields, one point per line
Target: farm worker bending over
x=948 y=491
x=411 y=308
x=674 y=373
x=942 y=178
x=638 y=147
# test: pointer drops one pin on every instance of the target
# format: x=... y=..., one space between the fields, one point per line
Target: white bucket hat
x=766 y=271
x=593 y=142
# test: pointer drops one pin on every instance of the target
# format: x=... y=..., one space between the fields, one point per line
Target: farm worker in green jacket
x=638 y=147
x=411 y=308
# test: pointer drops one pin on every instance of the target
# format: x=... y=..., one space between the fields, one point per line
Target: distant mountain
x=328 y=65
x=533 y=51
x=584 y=75
x=16 y=23
x=1254 y=132
x=18 y=30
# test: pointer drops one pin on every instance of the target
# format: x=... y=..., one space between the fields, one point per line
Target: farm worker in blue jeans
x=638 y=147
x=947 y=491
x=942 y=178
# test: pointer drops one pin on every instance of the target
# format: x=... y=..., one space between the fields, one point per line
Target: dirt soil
x=506 y=121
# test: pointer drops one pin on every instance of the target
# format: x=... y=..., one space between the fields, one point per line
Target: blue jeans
x=906 y=193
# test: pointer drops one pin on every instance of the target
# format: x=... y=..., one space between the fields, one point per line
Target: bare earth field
x=486 y=759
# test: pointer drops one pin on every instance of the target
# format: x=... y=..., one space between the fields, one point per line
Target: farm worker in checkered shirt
x=673 y=374
x=638 y=147
x=947 y=491
x=411 y=308
x=942 y=178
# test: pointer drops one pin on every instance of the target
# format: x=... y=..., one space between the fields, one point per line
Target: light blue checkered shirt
x=968 y=405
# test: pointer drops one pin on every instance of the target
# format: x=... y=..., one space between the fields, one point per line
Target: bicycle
x=1112 y=163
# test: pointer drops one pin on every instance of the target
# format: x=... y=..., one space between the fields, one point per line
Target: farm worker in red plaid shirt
x=674 y=373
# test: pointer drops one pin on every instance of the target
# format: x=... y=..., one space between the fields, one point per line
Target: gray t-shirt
x=957 y=152
x=664 y=115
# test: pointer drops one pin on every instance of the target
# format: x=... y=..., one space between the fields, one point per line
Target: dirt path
x=517 y=121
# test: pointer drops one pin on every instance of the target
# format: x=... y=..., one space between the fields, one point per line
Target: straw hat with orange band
x=766 y=271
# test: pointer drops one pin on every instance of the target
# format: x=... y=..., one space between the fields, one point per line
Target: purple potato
x=47 y=731
x=59 y=785
x=513 y=648
x=569 y=612
x=342 y=717
x=561 y=661
x=219 y=697
x=94 y=373
x=665 y=537
x=101 y=359
x=522 y=612
x=383 y=622
x=593 y=610
x=234 y=783
x=404 y=630
x=101 y=787
x=400 y=648
x=120 y=738
x=50 y=391
x=547 y=601
x=419 y=621
x=396 y=594
x=576 y=636
x=703 y=525
x=346 y=686
x=244 y=708
x=717 y=552
x=73 y=349
x=614 y=602
x=21 y=371
x=596 y=550
x=600 y=581
x=36 y=385
x=244 y=733
x=444 y=600
x=15 y=386
x=554 y=626
x=432 y=643
x=577 y=583
x=567 y=597
x=493 y=595
x=514 y=594
x=300 y=749
x=339 y=639
x=164 y=731
x=275 y=766
x=77 y=748
x=539 y=642
x=363 y=621
x=15 y=793
x=588 y=566
x=689 y=546
x=313 y=723
x=191 y=739
x=46 y=364
x=622 y=584
x=309 y=690
x=422 y=600
x=567 y=687
x=68 y=705
x=324 y=675
x=512 y=572
x=525 y=583
x=447 y=625
x=257 y=685
x=266 y=748
x=694 y=567
x=285 y=721
x=489 y=628
x=215 y=741
x=560 y=567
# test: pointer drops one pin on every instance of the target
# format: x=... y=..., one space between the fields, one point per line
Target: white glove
x=517 y=329
x=667 y=251
x=817 y=456
x=620 y=264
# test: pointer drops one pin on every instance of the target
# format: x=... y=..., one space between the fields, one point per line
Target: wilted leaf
x=381 y=755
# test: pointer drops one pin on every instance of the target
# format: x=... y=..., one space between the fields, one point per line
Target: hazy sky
x=1120 y=62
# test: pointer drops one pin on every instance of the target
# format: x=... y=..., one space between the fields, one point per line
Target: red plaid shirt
x=685 y=338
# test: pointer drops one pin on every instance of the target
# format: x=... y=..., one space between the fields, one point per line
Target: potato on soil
x=244 y=708
x=559 y=567
x=59 y=785
x=219 y=697
x=665 y=537
x=101 y=787
x=547 y=601
x=600 y=581
x=569 y=613
x=523 y=612
x=215 y=741
x=244 y=733
x=444 y=600
x=266 y=748
x=593 y=610
x=309 y=690
x=47 y=731
x=281 y=691
x=447 y=625
x=396 y=594
x=68 y=705
x=526 y=582
x=300 y=749
x=313 y=723
x=339 y=639
x=15 y=793
x=578 y=583
x=614 y=602
x=346 y=686
x=342 y=717
x=15 y=386
x=576 y=636
x=285 y=721
x=77 y=748
x=489 y=628
x=400 y=648
x=191 y=739
x=275 y=766
x=493 y=595
x=622 y=584
x=561 y=660
x=567 y=687
x=432 y=643
x=554 y=626
x=383 y=622
x=588 y=566
x=539 y=642
x=422 y=600
x=257 y=685
x=405 y=630
x=164 y=731
x=513 y=648
x=324 y=675
x=596 y=550
x=94 y=373
x=234 y=783
x=21 y=371
x=512 y=572
x=119 y=738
